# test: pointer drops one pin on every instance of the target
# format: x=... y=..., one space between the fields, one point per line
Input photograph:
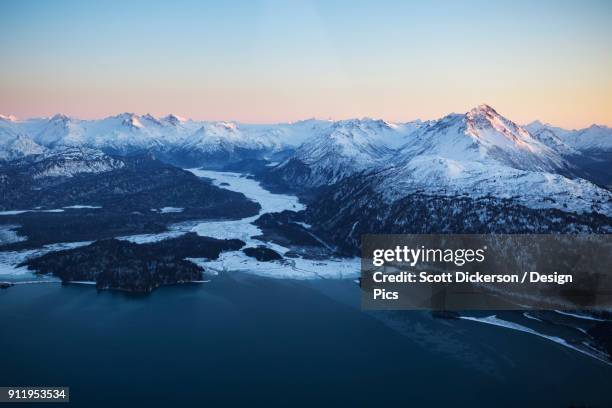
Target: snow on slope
x=483 y=135
x=593 y=138
x=345 y=147
x=8 y=118
x=12 y=148
x=354 y=141
x=552 y=137
x=128 y=132
x=14 y=144
x=70 y=161
x=480 y=154
x=224 y=136
x=489 y=133
x=436 y=175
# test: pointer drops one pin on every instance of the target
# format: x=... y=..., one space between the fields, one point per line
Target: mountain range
x=479 y=134
x=478 y=161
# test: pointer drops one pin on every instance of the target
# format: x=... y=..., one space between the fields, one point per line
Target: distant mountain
x=342 y=149
x=479 y=137
x=68 y=162
x=355 y=142
x=477 y=154
x=17 y=146
x=175 y=139
x=588 y=150
x=593 y=138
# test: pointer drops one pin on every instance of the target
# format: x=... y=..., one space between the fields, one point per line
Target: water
x=243 y=339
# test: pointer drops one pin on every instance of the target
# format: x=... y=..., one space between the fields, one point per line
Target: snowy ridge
x=483 y=135
x=593 y=138
x=535 y=146
x=70 y=161
x=128 y=132
x=479 y=153
x=347 y=147
x=16 y=147
x=436 y=175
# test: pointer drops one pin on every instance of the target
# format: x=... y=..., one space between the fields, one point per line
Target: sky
x=264 y=61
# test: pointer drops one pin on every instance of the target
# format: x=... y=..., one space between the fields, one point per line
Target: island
x=123 y=265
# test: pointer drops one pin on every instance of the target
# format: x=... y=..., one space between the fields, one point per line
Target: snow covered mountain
x=595 y=138
x=177 y=140
x=342 y=149
x=481 y=153
x=66 y=162
x=479 y=140
x=473 y=172
x=482 y=135
x=17 y=146
x=589 y=150
x=322 y=152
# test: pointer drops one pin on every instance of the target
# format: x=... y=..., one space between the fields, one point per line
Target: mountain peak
x=173 y=119
x=363 y=123
x=151 y=118
x=8 y=118
x=125 y=115
x=598 y=127
x=536 y=123
x=483 y=110
x=231 y=126
x=483 y=135
x=130 y=119
x=59 y=117
x=485 y=117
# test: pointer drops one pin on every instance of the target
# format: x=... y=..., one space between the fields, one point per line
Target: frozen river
x=295 y=268
x=243 y=229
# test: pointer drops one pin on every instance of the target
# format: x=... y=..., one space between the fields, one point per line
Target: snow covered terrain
x=293 y=268
x=593 y=138
x=346 y=147
x=128 y=132
x=439 y=175
x=9 y=261
x=245 y=230
x=482 y=135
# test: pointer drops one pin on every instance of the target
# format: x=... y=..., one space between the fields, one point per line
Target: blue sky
x=267 y=61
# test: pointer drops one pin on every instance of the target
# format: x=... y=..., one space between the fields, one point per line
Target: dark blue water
x=243 y=340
